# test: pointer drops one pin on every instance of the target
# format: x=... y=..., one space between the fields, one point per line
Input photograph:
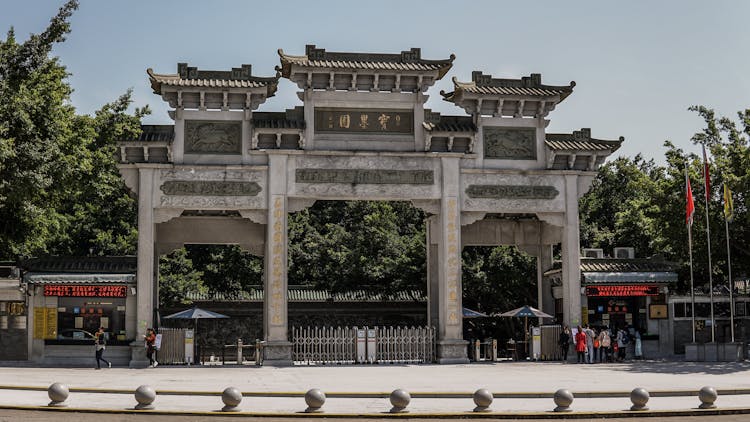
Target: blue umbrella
x=470 y=313
x=195 y=313
x=526 y=311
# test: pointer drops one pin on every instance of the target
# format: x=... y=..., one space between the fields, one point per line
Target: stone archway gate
x=226 y=173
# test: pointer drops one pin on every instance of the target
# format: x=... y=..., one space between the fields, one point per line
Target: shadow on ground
x=662 y=367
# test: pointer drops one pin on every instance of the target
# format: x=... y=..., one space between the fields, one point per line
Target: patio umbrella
x=526 y=311
x=195 y=313
x=470 y=313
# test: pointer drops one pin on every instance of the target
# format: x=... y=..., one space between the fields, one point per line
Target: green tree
x=226 y=268
x=178 y=279
x=38 y=146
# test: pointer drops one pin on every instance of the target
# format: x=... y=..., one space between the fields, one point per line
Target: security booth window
x=79 y=315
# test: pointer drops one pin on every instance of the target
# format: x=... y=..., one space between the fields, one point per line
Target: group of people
x=100 y=343
x=592 y=344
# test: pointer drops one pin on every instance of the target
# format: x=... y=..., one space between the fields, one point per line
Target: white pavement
x=505 y=377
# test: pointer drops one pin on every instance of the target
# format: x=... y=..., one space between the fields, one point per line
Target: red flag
x=706 y=175
x=690 y=208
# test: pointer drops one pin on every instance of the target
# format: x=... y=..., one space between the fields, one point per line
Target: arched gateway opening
x=362 y=134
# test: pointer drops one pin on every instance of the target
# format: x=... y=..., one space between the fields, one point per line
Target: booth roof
x=78 y=265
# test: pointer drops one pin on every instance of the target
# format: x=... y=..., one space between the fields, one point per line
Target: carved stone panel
x=362 y=176
x=210 y=137
x=336 y=120
x=509 y=143
x=210 y=188
x=512 y=191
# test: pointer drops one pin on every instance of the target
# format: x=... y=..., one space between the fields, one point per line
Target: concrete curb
x=385 y=414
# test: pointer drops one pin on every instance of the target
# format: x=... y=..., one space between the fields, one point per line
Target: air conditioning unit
x=624 y=253
x=593 y=253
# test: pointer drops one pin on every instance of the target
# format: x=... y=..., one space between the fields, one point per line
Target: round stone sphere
x=707 y=395
x=145 y=395
x=639 y=397
x=563 y=398
x=400 y=398
x=314 y=398
x=483 y=397
x=231 y=396
x=58 y=392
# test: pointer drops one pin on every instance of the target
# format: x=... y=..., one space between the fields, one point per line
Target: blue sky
x=638 y=65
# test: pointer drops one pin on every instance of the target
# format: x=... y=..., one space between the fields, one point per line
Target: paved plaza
x=521 y=388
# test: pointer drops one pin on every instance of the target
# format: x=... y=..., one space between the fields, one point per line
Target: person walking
x=581 y=345
x=589 y=344
x=150 y=338
x=100 y=343
x=622 y=343
x=638 y=352
x=605 y=342
x=564 y=343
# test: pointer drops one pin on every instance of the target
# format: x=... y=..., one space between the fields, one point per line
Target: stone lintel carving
x=362 y=176
x=209 y=202
x=298 y=204
x=552 y=218
x=256 y=216
x=162 y=215
x=213 y=137
x=509 y=143
x=468 y=217
x=512 y=191
x=210 y=188
x=334 y=120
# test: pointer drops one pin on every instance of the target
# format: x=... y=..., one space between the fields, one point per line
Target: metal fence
x=346 y=345
x=550 y=349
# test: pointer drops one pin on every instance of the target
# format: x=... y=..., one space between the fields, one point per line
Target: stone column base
x=277 y=353
x=452 y=351
x=138 y=358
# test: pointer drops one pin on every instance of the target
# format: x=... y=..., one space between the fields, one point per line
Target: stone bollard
x=231 y=397
x=707 y=396
x=639 y=397
x=58 y=393
x=563 y=399
x=483 y=400
x=145 y=396
x=400 y=399
x=315 y=399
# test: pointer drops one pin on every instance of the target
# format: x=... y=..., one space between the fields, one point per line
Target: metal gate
x=172 y=349
x=346 y=345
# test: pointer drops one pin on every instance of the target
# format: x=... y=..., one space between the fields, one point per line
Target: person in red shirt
x=581 y=345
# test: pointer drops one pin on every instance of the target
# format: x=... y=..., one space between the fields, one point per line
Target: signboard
x=45 y=323
x=622 y=290
x=364 y=121
x=85 y=290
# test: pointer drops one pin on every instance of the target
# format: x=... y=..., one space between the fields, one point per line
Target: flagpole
x=731 y=284
x=692 y=290
x=689 y=221
x=708 y=243
x=728 y=215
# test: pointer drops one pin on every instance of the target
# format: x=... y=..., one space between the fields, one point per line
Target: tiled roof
x=156 y=133
x=614 y=265
x=434 y=122
x=526 y=86
x=188 y=76
x=289 y=119
x=580 y=140
x=89 y=264
x=405 y=61
x=302 y=294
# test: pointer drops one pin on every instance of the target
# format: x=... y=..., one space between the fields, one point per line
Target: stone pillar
x=571 y=255
x=545 y=300
x=451 y=346
x=277 y=350
x=433 y=282
x=145 y=273
x=178 y=145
